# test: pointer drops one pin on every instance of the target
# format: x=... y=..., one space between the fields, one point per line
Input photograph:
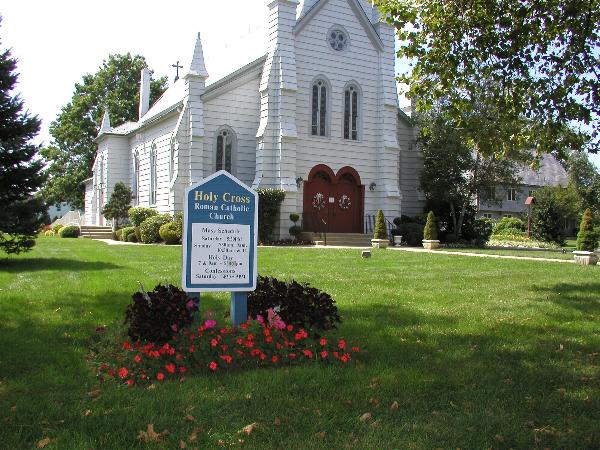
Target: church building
x=317 y=116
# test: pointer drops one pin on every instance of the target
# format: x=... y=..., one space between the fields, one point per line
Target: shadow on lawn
x=582 y=297
x=56 y=264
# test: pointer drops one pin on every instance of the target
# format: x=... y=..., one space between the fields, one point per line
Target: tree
x=430 y=230
x=21 y=212
x=585 y=179
x=532 y=61
x=454 y=174
x=119 y=204
x=587 y=239
x=380 y=231
x=72 y=151
x=548 y=214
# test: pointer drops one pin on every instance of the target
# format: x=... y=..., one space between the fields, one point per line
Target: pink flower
x=324 y=354
x=190 y=304
x=130 y=382
x=212 y=366
x=214 y=342
x=174 y=328
x=160 y=376
x=260 y=319
x=341 y=344
x=279 y=324
x=307 y=353
x=323 y=341
x=210 y=323
x=274 y=359
x=137 y=358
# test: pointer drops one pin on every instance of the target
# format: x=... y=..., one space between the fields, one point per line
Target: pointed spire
x=105 y=126
x=197 y=66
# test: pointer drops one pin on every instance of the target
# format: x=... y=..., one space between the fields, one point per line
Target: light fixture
x=372 y=186
x=299 y=181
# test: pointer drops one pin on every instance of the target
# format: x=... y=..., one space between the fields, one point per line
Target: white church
x=317 y=116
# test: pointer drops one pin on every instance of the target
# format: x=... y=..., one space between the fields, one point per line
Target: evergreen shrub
x=297 y=304
x=70 y=231
x=412 y=233
x=150 y=228
x=587 y=239
x=126 y=232
x=137 y=233
x=509 y=225
x=158 y=315
x=170 y=232
x=132 y=237
x=380 y=228
x=138 y=214
x=430 y=232
x=48 y=233
x=56 y=228
x=269 y=202
x=482 y=230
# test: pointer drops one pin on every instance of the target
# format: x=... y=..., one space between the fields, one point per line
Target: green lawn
x=478 y=353
x=517 y=253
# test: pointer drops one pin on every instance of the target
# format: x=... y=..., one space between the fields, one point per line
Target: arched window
x=319 y=108
x=136 y=177
x=226 y=141
x=153 y=183
x=351 y=108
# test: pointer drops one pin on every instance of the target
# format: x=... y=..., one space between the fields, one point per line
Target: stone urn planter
x=397 y=240
x=585 y=258
x=380 y=243
x=431 y=244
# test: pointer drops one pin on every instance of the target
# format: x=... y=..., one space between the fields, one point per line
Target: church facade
x=317 y=116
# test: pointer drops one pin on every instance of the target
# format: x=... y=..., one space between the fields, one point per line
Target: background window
x=153 y=183
x=225 y=143
x=351 y=113
x=512 y=195
x=319 y=108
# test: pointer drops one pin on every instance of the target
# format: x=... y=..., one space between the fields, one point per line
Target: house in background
x=550 y=173
x=58 y=210
x=317 y=116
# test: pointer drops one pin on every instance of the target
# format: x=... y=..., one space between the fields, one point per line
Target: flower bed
x=519 y=241
x=208 y=349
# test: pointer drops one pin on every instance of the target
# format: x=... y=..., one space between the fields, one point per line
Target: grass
x=517 y=253
x=478 y=353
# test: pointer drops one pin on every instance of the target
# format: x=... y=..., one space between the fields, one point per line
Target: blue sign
x=220 y=235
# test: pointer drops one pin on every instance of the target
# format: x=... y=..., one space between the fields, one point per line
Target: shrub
x=138 y=234
x=157 y=315
x=48 y=233
x=118 y=205
x=380 y=228
x=548 y=215
x=56 y=228
x=170 y=232
x=70 y=231
x=298 y=304
x=587 y=239
x=412 y=233
x=126 y=232
x=482 y=230
x=294 y=217
x=150 y=228
x=118 y=235
x=269 y=201
x=509 y=225
x=430 y=231
x=139 y=213
x=178 y=217
x=131 y=237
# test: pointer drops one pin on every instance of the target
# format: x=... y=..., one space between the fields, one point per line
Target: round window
x=337 y=40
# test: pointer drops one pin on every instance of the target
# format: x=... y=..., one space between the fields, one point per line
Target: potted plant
x=430 y=233
x=380 y=237
x=587 y=241
x=295 y=229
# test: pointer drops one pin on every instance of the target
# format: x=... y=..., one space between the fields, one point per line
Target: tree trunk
x=453 y=214
x=461 y=218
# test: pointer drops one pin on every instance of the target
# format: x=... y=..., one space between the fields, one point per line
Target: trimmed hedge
x=509 y=225
x=139 y=214
x=269 y=202
x=430 y=232
x=412 y=233
x=126 y=232
x=70 y=231
x=587 y=239
x=150 y=228
x=170 y=233
x=380 y=228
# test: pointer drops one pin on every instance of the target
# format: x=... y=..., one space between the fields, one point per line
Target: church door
x=333 y=203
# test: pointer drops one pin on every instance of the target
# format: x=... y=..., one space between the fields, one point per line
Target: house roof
x=550 y=173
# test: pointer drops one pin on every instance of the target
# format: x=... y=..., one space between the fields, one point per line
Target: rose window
x=337 y=40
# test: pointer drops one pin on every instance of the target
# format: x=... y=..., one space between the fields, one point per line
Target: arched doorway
x=333 y=203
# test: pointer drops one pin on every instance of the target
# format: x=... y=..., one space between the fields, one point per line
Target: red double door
x=333 y=202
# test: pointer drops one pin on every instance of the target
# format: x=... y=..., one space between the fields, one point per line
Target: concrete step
x=344 y=239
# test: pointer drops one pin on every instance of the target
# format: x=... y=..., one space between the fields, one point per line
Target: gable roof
x=358 y=10
x=550 y=173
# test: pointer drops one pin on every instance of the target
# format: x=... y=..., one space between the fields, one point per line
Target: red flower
x=137 y=358
x=324 y=354
x=262 y=356
x=160 y=376
x=292 y=356
x=182 y=369
x=345 y=357
x=126 y=345
x=244 y=326
x=323 y=341
x=355 y=349
x=212 y=366
x=290 y=328
x=224 y=347
x=274 y=359
x=143 y=376
x=130 y=382
x=341 y=344
x=214 y=342
x=269 y=339
x=307 y=353
x=250 y=336
x=170 y=368
x=239 y=341
x=226 y=358
x=336 y=354
x=192 y=349
x=123 y=372
x=178 y=357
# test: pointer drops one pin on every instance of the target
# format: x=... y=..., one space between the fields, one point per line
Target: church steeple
x=197 y=66
x=105 y=126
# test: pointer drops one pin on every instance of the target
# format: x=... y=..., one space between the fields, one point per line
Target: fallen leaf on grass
x=320 y=434
x=374 y=402
x=182 y=444
x=192 y=437
x=395 y=405
x=562 y=392
x=95 y=393
x=436 y=413
x=42 y=443
x=150 y=435
x=499 y=438
x=249 y=429
x=277 y=421
x=366 y=417
x=87 y=413
x=190 y=418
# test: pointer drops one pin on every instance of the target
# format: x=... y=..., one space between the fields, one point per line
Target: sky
x=57 y=42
